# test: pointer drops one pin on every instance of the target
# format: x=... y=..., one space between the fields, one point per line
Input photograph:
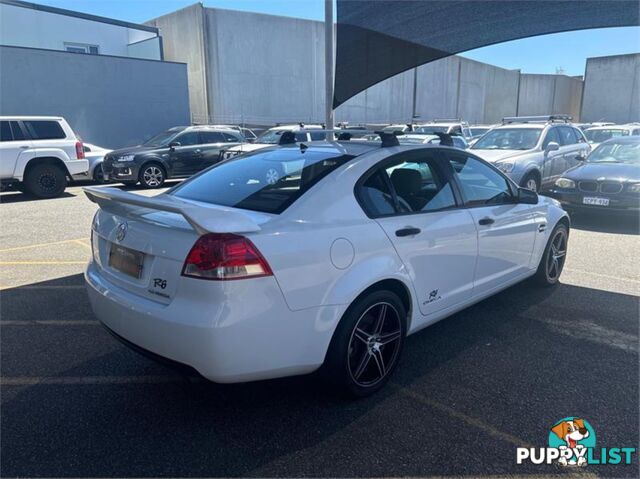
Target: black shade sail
x=381 y=38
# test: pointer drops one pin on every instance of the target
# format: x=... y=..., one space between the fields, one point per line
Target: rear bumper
x=214 y=329
x=77 y=167
x=572 y=200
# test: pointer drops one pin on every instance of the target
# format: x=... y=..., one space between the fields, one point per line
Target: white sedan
x=331 y=266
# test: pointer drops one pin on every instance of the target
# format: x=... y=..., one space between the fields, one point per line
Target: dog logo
x=121 y=231
x=572 y=436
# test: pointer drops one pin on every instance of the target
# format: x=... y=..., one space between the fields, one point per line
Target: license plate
x=589 y=200
x=125 y=260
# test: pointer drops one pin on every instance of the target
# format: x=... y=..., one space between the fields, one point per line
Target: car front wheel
x=152 y=175
x=531 y=182
x=367 y=344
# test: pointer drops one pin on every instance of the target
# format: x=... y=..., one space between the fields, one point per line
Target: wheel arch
x=145 y=161
x=39 y=160
x=392 y=284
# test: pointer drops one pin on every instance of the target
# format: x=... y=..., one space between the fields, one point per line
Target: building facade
x=104 y=76
x=57 y=29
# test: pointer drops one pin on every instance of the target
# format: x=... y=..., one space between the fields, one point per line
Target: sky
x=544 y=54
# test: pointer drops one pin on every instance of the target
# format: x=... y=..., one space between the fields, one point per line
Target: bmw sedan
x=330 y=267
x=608 y=181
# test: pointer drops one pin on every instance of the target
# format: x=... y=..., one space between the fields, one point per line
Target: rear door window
x=16 y=129
x=212 y=137
x=5 y=131
x=44 y=130
x=266 y=181
x=188 y=139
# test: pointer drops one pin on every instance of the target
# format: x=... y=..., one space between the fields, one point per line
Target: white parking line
x=84 y=380
x=471 y=421
x=49 y=323
x=41 y=245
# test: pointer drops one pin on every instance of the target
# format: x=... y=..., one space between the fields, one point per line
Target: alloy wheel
x=374 y=344
x=153 y=176
x=532 y=184
x=272 y=176
x=556 y=256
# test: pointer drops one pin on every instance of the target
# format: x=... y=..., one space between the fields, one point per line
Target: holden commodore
x=330 y=267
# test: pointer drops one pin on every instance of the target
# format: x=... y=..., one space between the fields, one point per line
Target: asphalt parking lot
x=469 y=391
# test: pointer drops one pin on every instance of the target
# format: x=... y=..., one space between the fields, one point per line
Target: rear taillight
x=79 y=150
x=224 y=256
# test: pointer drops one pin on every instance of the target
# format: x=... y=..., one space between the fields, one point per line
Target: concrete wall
x=263 y=69
x=183 y=38
x=110 y=101
x=548 y=94
x=51 y=31
x=612 y=89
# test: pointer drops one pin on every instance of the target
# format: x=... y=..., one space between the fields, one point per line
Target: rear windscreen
x=266 y=181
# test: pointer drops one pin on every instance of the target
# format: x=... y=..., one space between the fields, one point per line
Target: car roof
x=296 y=127
x=538 y=126
x=623 y=140
x=627 y=126
x=18 y=118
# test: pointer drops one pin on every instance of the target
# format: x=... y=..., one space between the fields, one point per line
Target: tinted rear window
x=5 y=131
x=267 y=181
x=45 y=130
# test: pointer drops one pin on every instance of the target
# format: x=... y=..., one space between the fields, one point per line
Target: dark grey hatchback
x=608 y=180
x=178 y=152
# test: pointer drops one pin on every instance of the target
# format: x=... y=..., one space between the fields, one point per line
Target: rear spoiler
x=202 y=219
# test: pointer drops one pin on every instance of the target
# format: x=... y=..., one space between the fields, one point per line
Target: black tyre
x=98 y=175
x=152 y=175
x=531 y=181
x=45 y=180
x=553 y=259
x=367 y=344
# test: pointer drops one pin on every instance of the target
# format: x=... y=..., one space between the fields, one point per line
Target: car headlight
x=505 y=166
x=126 y=158
x=635 y=188
x=565 y=183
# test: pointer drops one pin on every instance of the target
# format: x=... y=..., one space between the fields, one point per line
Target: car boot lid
x=203 y=218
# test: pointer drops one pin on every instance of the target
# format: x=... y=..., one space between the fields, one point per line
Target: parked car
x=453 y=126
x=533 y=151
x=597 y=134
x=399 y=128
x=272 y=137
x=248 y=134
x=178 y=152
x=94 y=155
x=584 y=126
x=331 y=267
x=417 y=139
x=607 y=181
x=39 y=154
x=478 y=130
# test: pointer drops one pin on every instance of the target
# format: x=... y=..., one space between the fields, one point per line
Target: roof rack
x=447 y=120
x=288 y=137
x=537 y=119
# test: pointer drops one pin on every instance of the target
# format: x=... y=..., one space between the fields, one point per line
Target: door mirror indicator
x=552 y=146
x=527 y=196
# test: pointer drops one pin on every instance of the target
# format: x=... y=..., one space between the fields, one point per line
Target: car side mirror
x=173 y=145
x=552 y=146
x=527 y=196
x=581 y=158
